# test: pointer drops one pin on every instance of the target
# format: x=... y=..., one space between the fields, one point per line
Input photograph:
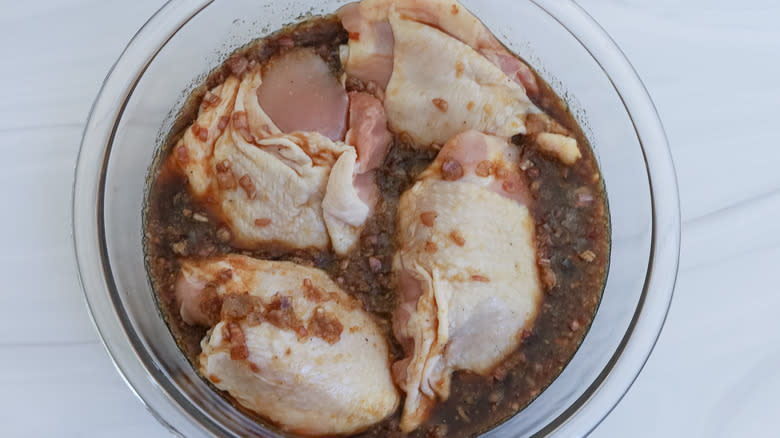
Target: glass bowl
x=185 y=39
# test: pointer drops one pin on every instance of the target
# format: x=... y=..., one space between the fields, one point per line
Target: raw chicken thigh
x=445 y=73
x=263 y=154
x=289 y=344
x=370 y=49
x=469 y=282
x=270 y=185
x=441 y=87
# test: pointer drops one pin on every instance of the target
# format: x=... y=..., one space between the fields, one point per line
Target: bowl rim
x=95 y=274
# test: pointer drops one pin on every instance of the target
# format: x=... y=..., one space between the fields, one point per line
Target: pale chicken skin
x=348 y=203
x=267 y=173
x=441 y=87
x=289 y=344
x=467 y=270
x=193 y=152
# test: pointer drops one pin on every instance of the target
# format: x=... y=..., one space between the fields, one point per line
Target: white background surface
x=713 y=68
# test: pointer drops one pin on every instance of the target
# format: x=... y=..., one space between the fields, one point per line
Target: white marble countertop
x=713 y=68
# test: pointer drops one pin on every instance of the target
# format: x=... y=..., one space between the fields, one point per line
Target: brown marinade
x=572 y=239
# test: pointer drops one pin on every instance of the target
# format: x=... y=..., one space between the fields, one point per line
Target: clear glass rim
x=135 y=365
